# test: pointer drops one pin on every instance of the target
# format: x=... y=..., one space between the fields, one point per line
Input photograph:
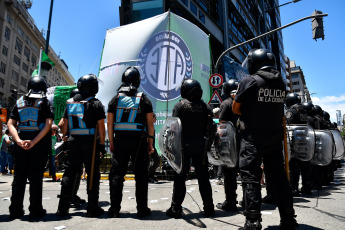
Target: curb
x=103 y=176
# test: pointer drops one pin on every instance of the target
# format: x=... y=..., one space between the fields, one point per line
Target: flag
x=43 y=58
x=58 y=95
x=166 y=49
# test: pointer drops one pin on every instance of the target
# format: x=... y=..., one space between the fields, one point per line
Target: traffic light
x=317 y=24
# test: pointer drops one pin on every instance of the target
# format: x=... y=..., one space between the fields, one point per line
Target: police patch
x=159 y=79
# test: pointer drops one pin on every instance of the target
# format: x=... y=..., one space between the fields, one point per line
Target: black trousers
x=230 y=184
x=193 y=154
x=125 y=148
x=300 y=168
x=30 y=166
x=80 y=151
x=268 y=151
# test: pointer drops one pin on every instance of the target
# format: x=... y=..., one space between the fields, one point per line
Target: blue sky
x=78 y=30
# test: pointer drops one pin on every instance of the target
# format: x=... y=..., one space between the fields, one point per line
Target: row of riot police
x=130 y=127
x=249 y=132
x=315 y=145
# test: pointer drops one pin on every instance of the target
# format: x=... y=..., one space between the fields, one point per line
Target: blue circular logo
x=160 y=79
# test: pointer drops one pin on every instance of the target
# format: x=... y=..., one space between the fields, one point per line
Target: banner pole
x=39 y=63
x=168 y=66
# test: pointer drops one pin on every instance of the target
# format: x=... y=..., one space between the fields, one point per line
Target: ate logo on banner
x=161 y=80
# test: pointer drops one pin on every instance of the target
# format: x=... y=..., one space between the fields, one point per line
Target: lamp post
x=48 y=30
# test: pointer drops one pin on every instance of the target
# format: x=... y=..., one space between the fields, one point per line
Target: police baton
x=286 y=150
x=93 y=158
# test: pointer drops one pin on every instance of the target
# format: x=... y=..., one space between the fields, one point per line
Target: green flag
x=44 y=58
x=61 y=95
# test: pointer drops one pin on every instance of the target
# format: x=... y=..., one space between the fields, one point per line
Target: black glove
x=102 y=149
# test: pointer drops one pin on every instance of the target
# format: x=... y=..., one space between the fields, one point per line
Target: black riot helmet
x=131 y=76
x=88 y=86
x=191 y=90
x=229 y=86
x=326 y=115
x=292 y=99
x=317 y=110
x=74 y=92
x=308 y=107
x=37 y=85
x=259 y=59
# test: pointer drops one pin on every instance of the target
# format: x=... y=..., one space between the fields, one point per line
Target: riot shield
x=170 y=144
x=225 y=153
x=324 y=148
x=301 y=142
x=339 y=144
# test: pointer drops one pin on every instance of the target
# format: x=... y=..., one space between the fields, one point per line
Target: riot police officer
x=260 y=103
x=83 y=115
x=32 y=141
x=295 y=114
x=230 y=174
x=130 y=131
x=195 y=116
x=76 y=201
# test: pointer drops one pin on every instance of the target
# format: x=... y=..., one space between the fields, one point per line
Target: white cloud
x=331 y=104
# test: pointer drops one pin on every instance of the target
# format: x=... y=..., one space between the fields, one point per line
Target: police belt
x=128 y=126
x=82 y=131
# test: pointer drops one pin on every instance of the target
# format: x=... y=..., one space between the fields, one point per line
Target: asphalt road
x=324 y=209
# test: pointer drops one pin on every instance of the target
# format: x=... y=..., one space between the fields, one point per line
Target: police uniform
x=194 y=116
x=130 y=141
x=82 y=116
x=230 y=174
x=31 y=115
x=296 y=115
x=261 y=98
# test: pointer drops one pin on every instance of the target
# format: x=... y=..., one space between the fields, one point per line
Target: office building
x=229 y=22
x=20 y=43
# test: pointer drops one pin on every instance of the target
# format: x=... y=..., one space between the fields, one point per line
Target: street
x=322 y=210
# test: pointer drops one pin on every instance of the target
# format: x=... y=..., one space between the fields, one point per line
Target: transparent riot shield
x=324 y=147
x=225 y=146
x=170 y=144
x=339 y=144
x=301 y=142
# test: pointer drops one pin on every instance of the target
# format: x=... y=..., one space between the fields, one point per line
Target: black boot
x=143 y=212
x=228 y=206
x=288 y=221
x=17 y=214
x=37 y=214
x=94 y=211
x=175 y=211
x=63 y=208
x=114 y=213
x=209 y=210
x=253 y=220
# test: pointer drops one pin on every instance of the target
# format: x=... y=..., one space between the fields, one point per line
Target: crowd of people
x=255 y=106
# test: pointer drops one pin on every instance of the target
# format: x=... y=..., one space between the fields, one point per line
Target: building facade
x=229 y=22
x=20 y=43
x=298 y=82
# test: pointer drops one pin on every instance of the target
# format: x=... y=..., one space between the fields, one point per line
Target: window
x=2 y=83
x=145 y=9
x=7 y=34
x=295 y=83
x=4 y=50
x=201 y=16
x=193 y=8
x=16 y=60
x=202 y=4
x=185 y=2
x=2 y=68
x=33 y=60
x=25 y=67
x=9 y=19
x=15 y=76
x=20 y=31
x=19 y=45
x=27 y=53
x=23 y=81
